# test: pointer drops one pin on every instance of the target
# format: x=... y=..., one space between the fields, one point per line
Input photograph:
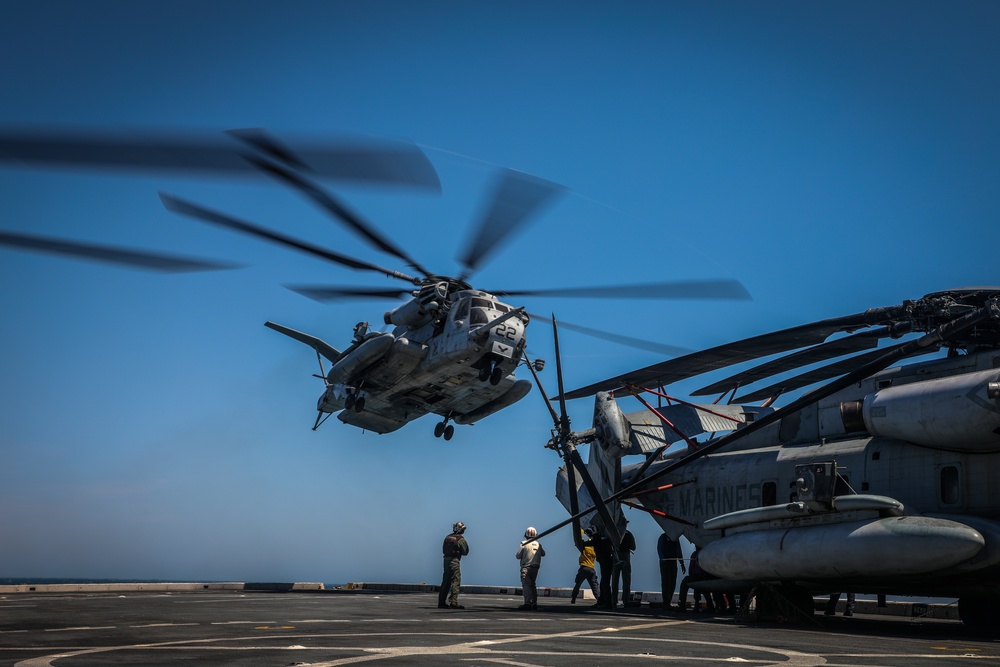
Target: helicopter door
x=456 y=328
x=458 y=321
x=460 y=314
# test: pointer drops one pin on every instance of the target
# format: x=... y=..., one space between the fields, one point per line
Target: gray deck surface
x=339 y=628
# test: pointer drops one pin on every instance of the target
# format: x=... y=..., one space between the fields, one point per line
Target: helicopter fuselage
x=457 y=362
x=889 y=486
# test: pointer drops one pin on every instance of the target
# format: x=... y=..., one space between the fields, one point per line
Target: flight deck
x=339 y=627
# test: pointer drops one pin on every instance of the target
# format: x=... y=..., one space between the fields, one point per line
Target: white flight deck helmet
x=530 y=533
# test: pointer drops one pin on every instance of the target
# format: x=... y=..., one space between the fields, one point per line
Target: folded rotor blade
x=338 y=210
x=928 y=342
x=722 y=356
x=381 y=161
x=866 y=340
x=328 y=294
x=564 y=419
x=685 y=289
x=639 y=343
x=820 y=374
x=199 y=213
x=516 y=198
x=110 y=254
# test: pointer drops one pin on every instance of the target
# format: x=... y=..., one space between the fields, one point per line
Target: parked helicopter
x=454 y=348
x=882 y=481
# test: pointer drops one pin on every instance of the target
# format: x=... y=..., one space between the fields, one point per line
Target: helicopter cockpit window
x=479 y=316
x=502 y=307
x=483 y=303
x=461 y=310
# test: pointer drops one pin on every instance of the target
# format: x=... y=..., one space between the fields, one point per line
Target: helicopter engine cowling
x=960 y=413
x=360 y=358
x=421 y=309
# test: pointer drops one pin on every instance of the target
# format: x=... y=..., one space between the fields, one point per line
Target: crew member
x=623 y=570
x=831 y=606
x=454 y=548
x=530 y=553
x=669 y=552
x=695 y=573
x=605 y=559
x=586 y=571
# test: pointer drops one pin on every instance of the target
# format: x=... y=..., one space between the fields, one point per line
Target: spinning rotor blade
x=339 y=211
x=197 y=212
x=722 y=356
x=270 y=146
x=660 y=348
x=690 y=289
x=383 y=161
x=516 y=198
x=927 y=342
x=328 y=294
x=110 y=254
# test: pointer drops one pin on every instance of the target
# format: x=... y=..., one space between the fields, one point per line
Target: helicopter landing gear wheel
x=485 y=372
x=496 y=376
x=349 y=401
x=443 y=428
x=359 y=404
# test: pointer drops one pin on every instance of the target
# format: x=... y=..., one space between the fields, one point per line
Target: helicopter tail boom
x=328 y=351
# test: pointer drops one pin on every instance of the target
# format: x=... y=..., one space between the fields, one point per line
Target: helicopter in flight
x=453 y=349
x=881 y=481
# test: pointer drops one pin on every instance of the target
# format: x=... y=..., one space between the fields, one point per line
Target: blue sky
x=831 y=156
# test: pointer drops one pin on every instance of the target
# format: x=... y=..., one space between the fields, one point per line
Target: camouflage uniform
x=454 y=548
